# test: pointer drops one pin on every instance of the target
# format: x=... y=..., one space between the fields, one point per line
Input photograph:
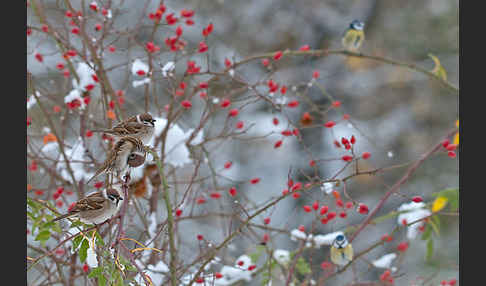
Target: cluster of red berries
x=450 y=148
x=386 y=277
x=451 y=282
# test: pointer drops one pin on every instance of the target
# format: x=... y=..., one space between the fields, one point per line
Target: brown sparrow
x=96 y=207
x=127 y=152
x=140 y=126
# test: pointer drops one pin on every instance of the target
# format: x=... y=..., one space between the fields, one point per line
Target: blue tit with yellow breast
x=341 y=251
x=354 y=36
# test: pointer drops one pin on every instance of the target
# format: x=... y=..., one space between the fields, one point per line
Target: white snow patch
x=75 y=94
x=153 y=225
x=139 y=65
x=245 y=259
x=153 y=272
x=326 y=239
x=31 y=100
x=282 y=256
x=384 y=261
x=91 y=259
x=168 y=68
x=297 y=234
x=76 y=153
x=137 y=83
x=85 y=73
x=177 y=153
x=327 y=187
x=416 y=211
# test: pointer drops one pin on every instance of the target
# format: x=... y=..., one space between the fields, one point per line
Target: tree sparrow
x=127 y=152
x=140 y=126
x=97 y=207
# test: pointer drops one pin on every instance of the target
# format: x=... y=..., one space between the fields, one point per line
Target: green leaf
x=76 y=241
x=83 y=250
x=33 y=205
x=95 y=272
x=43 y=235
x=131 y=268
x=47 y=225
x=256 y=255
x=101 y=280
x=434 y=227
x=76 y=223
x=127 y=264
x=436 y=220
x=427 y=233
x=119 y=281
x=99 y=240
x=57 y=228
x=438 y=69
x=430 y=249
x=302 y=266
x=31 y=215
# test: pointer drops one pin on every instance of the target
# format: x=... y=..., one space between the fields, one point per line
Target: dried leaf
x=110 y=114
x=49 y=138
x=140 y=188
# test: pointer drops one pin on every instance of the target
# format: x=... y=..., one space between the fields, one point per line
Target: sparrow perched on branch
x=341 y=251
x=140 y=126
x=353 y=36
x=96 y=207
x=127 y=152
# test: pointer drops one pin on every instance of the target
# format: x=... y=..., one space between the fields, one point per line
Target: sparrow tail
x=95 y=175
x=62 y=216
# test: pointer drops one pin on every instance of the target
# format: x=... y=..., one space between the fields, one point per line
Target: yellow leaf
x=438 y=69
x=456 y=137
x=439 y=204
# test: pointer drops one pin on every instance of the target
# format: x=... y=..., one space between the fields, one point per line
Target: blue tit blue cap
x=357 y=25
x=340 y=237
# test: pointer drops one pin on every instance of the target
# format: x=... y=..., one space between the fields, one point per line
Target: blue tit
x=341 y=251
x=354 y=36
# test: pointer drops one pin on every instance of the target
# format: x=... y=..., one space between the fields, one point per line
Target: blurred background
x=395 y=114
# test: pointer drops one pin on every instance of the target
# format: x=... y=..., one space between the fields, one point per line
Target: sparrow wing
x=129 y=119
x=91 y=202
x=120 y=127
x=128 y=128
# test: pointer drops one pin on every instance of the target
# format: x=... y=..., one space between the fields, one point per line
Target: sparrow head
x=146 y=119
x=340 y=241
x=356 y=25
x=135 y=159
x=113 y=196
